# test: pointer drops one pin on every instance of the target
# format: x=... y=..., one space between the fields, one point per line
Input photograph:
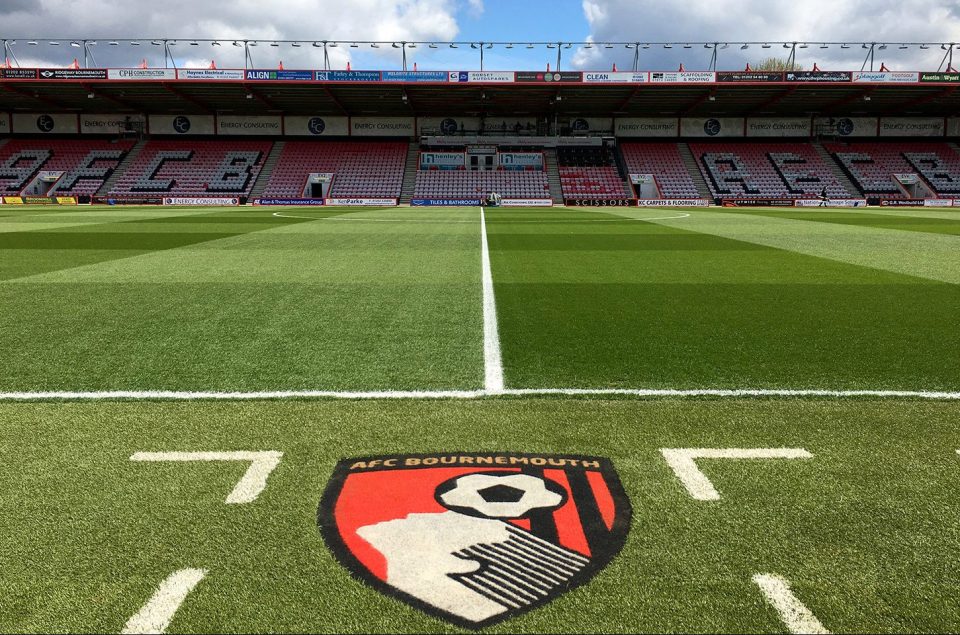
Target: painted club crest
x=475 y=538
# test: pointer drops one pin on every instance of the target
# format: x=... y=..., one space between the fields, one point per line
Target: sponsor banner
x=715 y=127
x=650 y=127
x=39 y=200
x=485 y=77
x=886 y=77
x=316 y=126
x=414 y=76
x=442 y=160
x=784 y=127
x=683 y=77
x=4 y=123
x=297 y=202
x=565 y=76
x=182 y=124
x=673 y=202
x=902 y=202
x=200 y=200
x=832 y=202
x=526 y=202
x=18 y=73
x=360 y=202
x=749 y=76
x=279 y=76
x=520 y=159
x=816 y=76
x=445 y=202
x=382 y=126
x=141 y=73
x=129 y=200
x=848 y=126
x=939 y=202
x=911 y=126
x=447 y=125
x=940 y=78
x=591 y=124
x=210 y=74
x=249 y=125
x=108 y=124
x=600 y=202
x=72 y=73
x=347 y=76
x=953 y=127
x=616 y=77
x=758 y=202
x=44 y=124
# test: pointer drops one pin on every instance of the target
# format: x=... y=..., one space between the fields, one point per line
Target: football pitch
x=776 y=391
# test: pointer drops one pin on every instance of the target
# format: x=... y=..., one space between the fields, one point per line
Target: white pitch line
x=158 y=612
x=492 y=361
x=794 y=615
x=250 y=485
x=212 y=395
x=683 y=462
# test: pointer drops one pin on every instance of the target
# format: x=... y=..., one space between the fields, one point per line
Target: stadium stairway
x=693 y=168
x=835 y=169
x=410 y=173
x=122 y=167
x=552 y=166
x=267 y=170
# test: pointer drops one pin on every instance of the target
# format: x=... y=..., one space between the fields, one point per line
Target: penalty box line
x=199 y=395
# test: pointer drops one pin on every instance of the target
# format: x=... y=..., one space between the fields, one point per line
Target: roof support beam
x=50 y=101
x=702 y=98
x=261 y=98
x=193 y=100
x=626 y=102
x=831 y=108
x=336 y=101
x=109 y=97
x=946 y=92
x=773 y=101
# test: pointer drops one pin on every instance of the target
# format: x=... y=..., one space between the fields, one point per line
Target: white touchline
x=492 y=362
x=253 y=481
x=683 y=463
x=157 y=613
x=198 y=395
x=795 y=616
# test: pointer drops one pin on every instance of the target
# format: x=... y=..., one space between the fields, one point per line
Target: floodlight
x=135 y=43
x=54 y=43
x=433 y=46
x=75 y=44
x=274 y=44
x=194 y=43
x=744 y=47
x=765 y=46
x=214 y=43
x=113 y=43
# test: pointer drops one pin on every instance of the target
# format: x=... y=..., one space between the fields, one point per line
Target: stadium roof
x=399 y=98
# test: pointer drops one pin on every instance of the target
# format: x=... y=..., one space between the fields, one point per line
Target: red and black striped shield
x=475 y=538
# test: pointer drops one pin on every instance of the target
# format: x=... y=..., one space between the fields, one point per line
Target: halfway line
x=492 y=361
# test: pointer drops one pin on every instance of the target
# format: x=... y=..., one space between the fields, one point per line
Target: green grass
x=867 y=531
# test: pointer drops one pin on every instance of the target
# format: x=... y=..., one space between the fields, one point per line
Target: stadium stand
x=664 y=162
x=589 y=173
x=872 y=166
x=360 y=170
x=85 y=164
x=765 y=170
x=463 y=184
x=193 y=168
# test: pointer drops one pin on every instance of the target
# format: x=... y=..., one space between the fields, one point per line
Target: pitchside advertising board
x=44 y=123
x=108 y=124
x=200 y=201
x=673 y=202
x=382 y=126
x=713 y=127
x=362 y=202
x=646 y=127
x=316 y=126
x=445 y=202
x=182 y=125
x=249 y=125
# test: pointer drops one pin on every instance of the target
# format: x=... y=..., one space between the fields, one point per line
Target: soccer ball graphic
x=499 y=494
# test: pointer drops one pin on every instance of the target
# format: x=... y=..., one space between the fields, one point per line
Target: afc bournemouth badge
x=475 y=538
